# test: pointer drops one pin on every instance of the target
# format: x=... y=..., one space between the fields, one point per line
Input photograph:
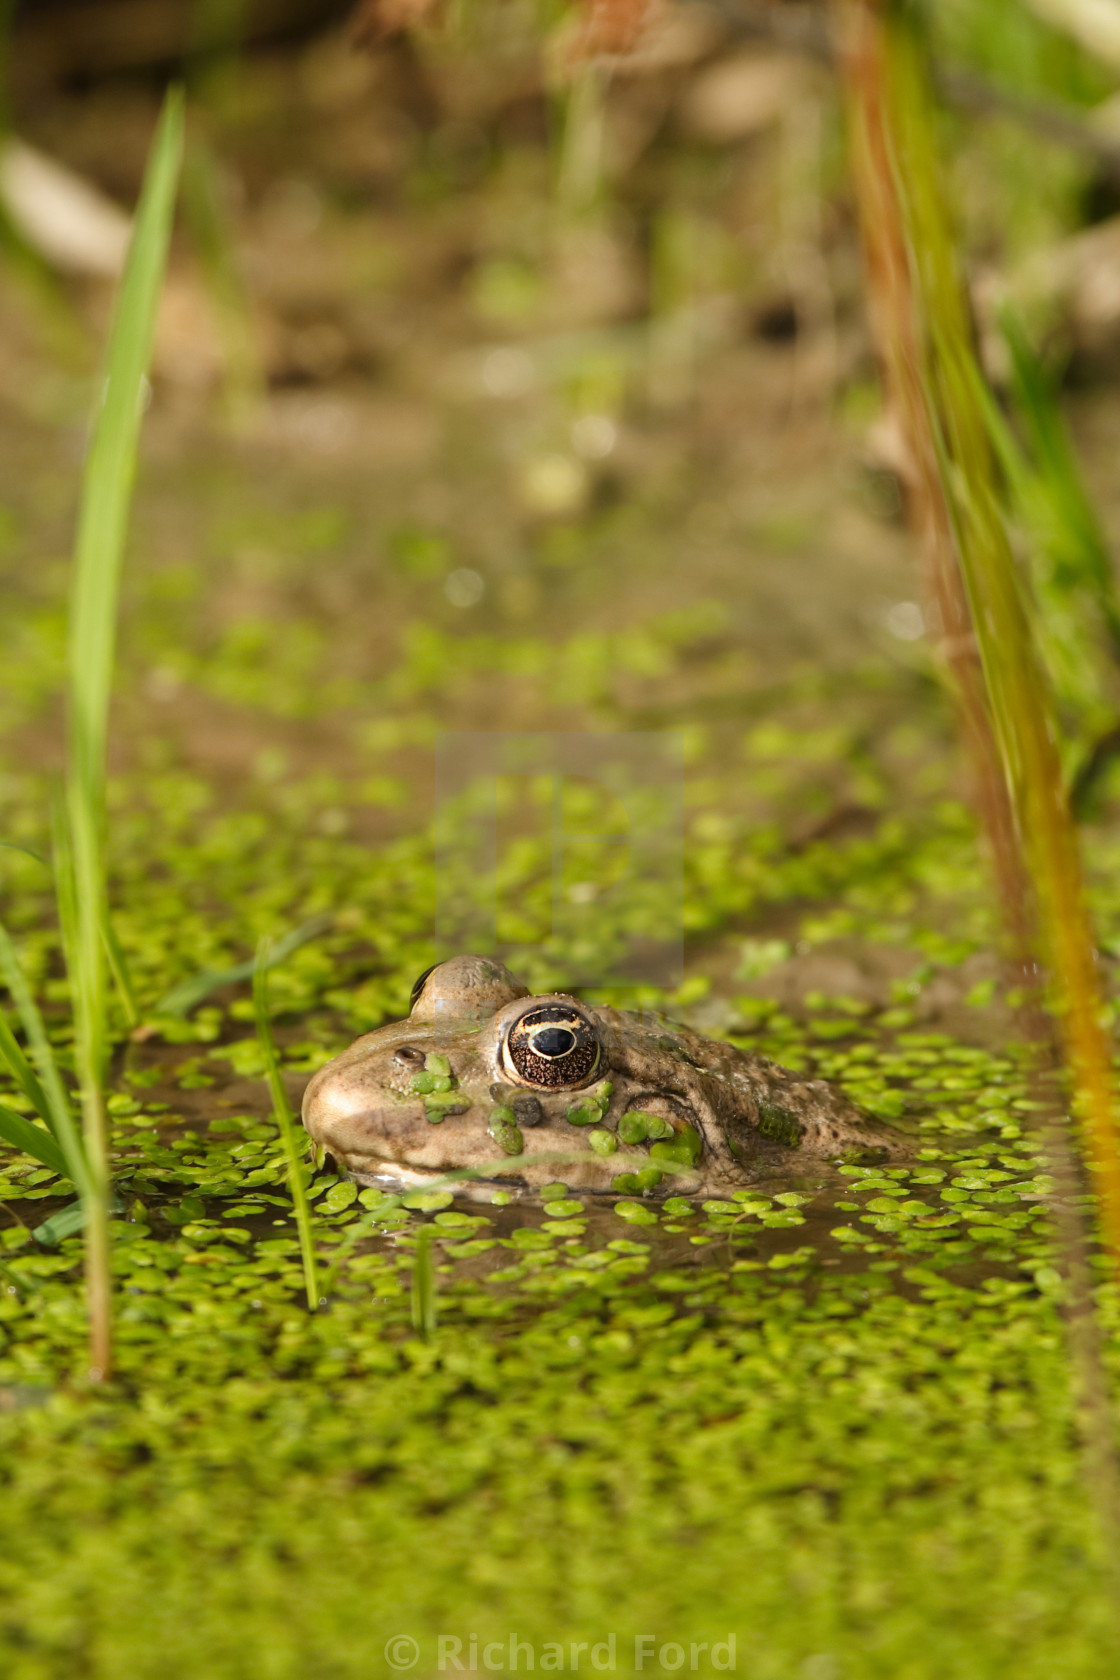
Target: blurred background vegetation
x=514 y=371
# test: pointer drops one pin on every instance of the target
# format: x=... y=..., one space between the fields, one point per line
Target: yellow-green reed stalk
x=930 y=351
x=924 y=330
x=110 y=471
x=292 y=1139
x=1018 y=692
x=894 y=308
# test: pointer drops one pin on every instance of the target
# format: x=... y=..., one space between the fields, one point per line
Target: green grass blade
x=110 y=466
x=285 y=1120
x=33 y=1140
x=183 y=997
x=28 y=851
x=56 y=1110
x=110 y=470
x=1076 y=623
x=1066 y=594
x=118 y=963
x=22 y=1072
x=1078 y=549
x=67 y=1222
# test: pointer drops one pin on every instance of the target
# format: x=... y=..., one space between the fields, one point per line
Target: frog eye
x=418 y=987
x=552 y=1045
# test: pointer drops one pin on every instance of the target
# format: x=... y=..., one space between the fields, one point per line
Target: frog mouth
x=391 y=1175
x=497 y=1174
x=547 y=1155
x=522 y=1175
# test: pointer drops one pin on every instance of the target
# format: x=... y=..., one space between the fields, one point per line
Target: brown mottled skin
x=750 y=1114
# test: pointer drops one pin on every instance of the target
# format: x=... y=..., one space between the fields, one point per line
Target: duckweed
x=684 y=1150
x=633 y=1129
x=593 y=1105
x=504 y=1130
x=638 y=1213
x=855 y=1451
x=634 y=1182
x=583 y=1115
x=440 y=1104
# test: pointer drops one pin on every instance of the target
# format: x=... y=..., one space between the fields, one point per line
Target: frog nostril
x=408 y=1053
x=553 y=1041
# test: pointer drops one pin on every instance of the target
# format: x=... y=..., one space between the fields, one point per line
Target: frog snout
x=338 y=1113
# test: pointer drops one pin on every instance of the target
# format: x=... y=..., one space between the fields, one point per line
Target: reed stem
x=986 y=638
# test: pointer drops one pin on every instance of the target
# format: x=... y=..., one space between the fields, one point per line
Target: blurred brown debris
x=374 y=21
x=57 y=42
x=743 y=93
x=1069 y=289
x=611 y=28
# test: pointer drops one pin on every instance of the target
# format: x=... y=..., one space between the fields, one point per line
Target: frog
x=487 y=1080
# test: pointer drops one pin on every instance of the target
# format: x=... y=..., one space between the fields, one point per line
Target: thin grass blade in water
x=45 y=1089
x=424 y=1286
x=118 y=964
x=33 y=1140
x=182 y=998
x=21 y=1071
x=289 y=1134
x=1077 y=622
x=67 y=1222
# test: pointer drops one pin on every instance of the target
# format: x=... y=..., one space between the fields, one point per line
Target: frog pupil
x=553 y=1041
